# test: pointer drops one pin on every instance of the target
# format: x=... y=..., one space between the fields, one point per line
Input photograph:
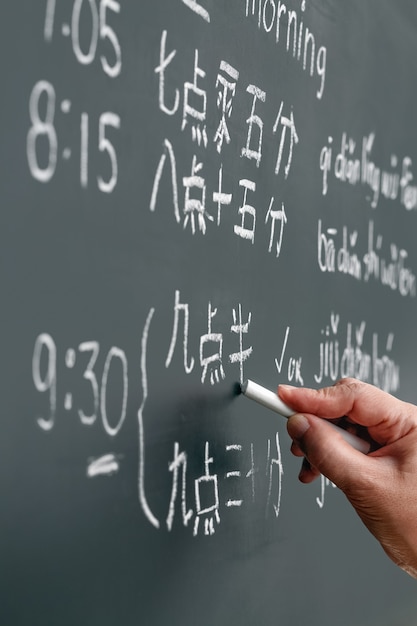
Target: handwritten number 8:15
x=43 y=127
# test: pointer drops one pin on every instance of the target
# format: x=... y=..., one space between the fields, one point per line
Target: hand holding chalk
x=381 y=485
x=270 y=400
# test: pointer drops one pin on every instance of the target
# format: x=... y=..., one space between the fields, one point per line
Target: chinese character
x=270 y=463
x=254 y=120
x=194 y=206
x=276 y=216
x=244 y=210
x=158 y=176
x=221 y=198
x=188 y=367
x=210 y=509
x=164 y=61
x=214 y=360
x=240 y=329
x=234 y=474
x=199 y=116
x=180 y=459
x=286 y=123
x=224 y=101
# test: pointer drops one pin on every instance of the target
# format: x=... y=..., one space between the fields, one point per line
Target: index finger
x=386 y=417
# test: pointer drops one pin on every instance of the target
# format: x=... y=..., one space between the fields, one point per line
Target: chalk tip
x=244 y=386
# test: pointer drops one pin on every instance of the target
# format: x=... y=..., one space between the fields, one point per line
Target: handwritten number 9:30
x=44 y=373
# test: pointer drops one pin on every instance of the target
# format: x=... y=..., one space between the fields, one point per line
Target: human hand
x=382 y=485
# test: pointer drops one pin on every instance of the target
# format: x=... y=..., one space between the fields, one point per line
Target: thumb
x=326 y=450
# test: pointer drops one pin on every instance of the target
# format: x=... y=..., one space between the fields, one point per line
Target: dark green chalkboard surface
x=194 y=192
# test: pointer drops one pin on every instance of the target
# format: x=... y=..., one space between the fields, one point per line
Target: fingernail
x=302 y=475
x=304 y=470
x=298 y=425
x=286 y=387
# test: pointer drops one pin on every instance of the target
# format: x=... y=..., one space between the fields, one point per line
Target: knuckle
x=347 y=380
x=352 y=385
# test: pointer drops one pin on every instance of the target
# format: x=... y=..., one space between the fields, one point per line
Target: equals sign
x=105 y=465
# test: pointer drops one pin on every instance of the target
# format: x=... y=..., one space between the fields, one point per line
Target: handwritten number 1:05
x=44 y=373
x=43 y=127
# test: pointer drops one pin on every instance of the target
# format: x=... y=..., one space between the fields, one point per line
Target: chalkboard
x=195 y=192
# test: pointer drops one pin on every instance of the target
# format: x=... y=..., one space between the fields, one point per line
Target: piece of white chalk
x=272 y=401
